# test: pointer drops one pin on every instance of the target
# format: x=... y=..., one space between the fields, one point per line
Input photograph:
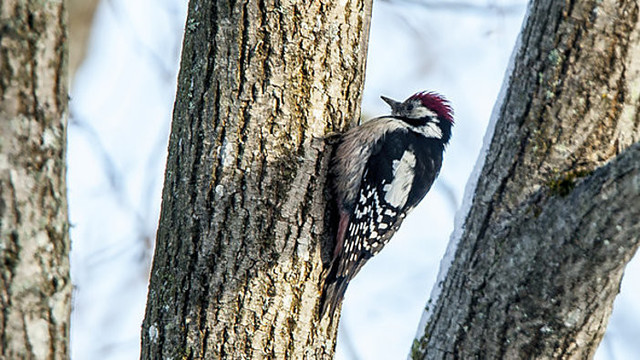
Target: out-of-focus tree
x=35 y=289
x=554 y=219
x=80 y=20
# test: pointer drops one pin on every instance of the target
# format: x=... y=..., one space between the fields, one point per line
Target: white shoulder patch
x=419 y=112
x=430 y=130
x=397 y=192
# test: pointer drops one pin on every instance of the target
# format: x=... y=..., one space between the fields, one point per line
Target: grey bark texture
x=35 y=289
x=243 y=231
x=554 y=218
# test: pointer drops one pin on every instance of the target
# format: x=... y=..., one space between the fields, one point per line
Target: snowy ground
x=121 y=105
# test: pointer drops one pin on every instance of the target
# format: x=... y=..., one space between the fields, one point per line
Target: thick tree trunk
x=35 y=288
x=242 y=231
x=551 y=227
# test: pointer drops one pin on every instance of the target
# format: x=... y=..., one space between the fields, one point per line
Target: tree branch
x=540 y=258
x=565 y=256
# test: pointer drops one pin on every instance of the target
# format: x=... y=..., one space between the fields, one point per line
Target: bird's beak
x=395 y=105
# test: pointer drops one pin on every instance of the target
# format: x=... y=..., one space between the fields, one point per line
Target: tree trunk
x=554 y=218
x=35 y=289
x=242 y=233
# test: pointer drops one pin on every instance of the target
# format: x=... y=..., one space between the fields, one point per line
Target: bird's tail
x=332 y=296
x=336 y=282
x=335 y=285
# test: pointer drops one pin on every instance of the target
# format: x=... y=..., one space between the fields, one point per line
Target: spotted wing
x=381 y=201
x=397 y=176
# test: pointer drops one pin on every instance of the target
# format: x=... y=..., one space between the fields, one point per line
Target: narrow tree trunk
x=551 y=227
x=242 y=231
x=35 y=288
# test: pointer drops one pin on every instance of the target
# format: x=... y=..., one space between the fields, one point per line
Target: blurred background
x=124 y=58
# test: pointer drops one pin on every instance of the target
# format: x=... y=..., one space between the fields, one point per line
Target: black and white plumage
x=382 y=169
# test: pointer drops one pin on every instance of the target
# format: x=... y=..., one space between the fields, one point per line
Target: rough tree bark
x=35 y=289
x=555 y=213
x=242 y=230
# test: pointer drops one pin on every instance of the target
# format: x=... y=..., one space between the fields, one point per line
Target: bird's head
x=422 y=105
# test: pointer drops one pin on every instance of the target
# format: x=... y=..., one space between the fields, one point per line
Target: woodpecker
x=381 y=170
